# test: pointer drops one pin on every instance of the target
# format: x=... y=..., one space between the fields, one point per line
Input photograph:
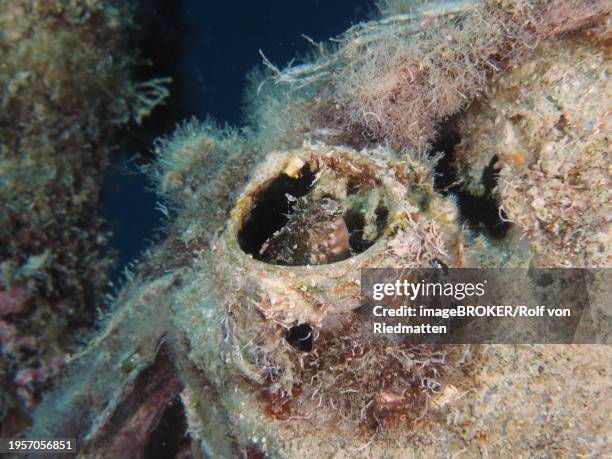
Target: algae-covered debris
x=245 y=315
x=65 y=88
x=546 y=128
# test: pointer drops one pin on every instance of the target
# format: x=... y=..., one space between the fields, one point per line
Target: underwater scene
x=305 y=229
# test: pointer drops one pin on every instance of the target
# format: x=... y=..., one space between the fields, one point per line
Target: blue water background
x=208 y=48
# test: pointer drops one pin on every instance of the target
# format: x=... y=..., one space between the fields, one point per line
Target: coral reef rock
x=64 y=89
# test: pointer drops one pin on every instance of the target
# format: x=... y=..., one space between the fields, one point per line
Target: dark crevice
x=129 y=431
x=355 y=221
x=479 y=212
x=445 y=176
x=170 y=437
x=253 y=452
x=300 y=337
x=382 y=216
x=270 y=212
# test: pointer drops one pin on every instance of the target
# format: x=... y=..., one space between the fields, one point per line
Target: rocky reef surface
x=235 y=336
x=65 y=88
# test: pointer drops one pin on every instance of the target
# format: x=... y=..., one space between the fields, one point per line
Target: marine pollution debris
x=240 y=329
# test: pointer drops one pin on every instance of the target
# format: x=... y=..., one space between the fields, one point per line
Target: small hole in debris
x=382 y=215
x=300 y=337
x=355 y=222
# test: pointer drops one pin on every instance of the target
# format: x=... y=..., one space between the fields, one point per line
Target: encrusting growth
x=545 y=128
x=247 y=315
x=65 y=87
